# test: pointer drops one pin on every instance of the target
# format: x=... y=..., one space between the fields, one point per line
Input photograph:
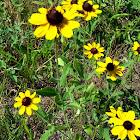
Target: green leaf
x=74 y=105
x=88 y=130
x=119 y=15
x=48 y=133
x=78 y=67
x=60 y=62
x=90 y=88
x=106 y=134
x=47 y=91
x=126 y=64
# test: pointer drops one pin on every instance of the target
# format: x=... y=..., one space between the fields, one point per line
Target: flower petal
x=108 y=60
x=21 y=94
x=116 y=63
x=113 y=110
x=33 y=95
x=88 y=17
x=34 y=107
x=101 y=70
x=116 y=121
x=90 y=55
x=28 y=110
x=87 y=52
x=130 y=115
x=90 y=46
x=136 y=131
x=22 y=110
x=27 y=93
x=137 y=123
x=41 y=30
x=110 y=114
x=95 y=6
x=112 y=76
x=98 y=11
x=90 y=2
x=117 y=130
x=17 y=104
x=131 y=135
x=123 y=134
x=119 y=73
x=96 y=56
x=35 y=100
x=38 y=19
x=18 y=99
x=136 y=52
x=101 y=64
x=43 y=11
x=73 y=24
x=87 y=47
x=51 y=32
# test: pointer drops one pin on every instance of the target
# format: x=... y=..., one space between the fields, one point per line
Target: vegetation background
x=29 y=62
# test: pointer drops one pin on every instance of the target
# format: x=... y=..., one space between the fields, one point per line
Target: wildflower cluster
x=124 y=123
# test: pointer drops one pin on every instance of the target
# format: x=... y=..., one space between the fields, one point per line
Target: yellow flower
x=27 y=102
x=94 y=50
x=89 y=10
x=125 y=125
x=52 y=20
x=70 y=4
x=136 y=48
x=111 y=67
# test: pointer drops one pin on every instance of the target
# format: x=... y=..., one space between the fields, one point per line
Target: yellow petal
x=28 y=110
x=136 y=52
x=116 y=63
x=112 y=76
x=95 y=6
x=116 y=121
x=131 y=135
x=136 y=44
x=59 y=9
x=17 y=104
x=22 y=110
x=101 y=70
x=101 y=49
x=33 y=95
x=27 y=93
x=35 y=100
x=123 y=134
x=41 y=30
x=73 y=24
x=90 y=2
x=90 y=46
x=94 y=14
x=87 y=47
x=18 y=99
x=136 y=131
x=130 y=115
x=90 y=55
x=97 y=46
x=110 y=114
x=117 y=130
x=113 y=110
x=21 y=94
x=43 y=11
x=101 y=64
x=101 y=54
x=119 y=73
x=98 y=11
x=51 y=32
x=34 y=107
x=88 y=17
x=70 y=14
x=120 y=68
x=137 y=123
x=87 y=52
x=108 y=60
x=121 y=115
x=96 y=56
x=134 y=48
x=38 y=19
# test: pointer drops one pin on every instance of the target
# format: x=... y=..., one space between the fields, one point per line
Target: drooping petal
x=22 y=110
x=101 y=70
x=113 y=110
x=117 y=130
x=108 y=60
x=43 y=11
x=34 y=107
x=120 y=68
x=17 y=104
x=38 y=19
x=112 y=76
x=101 y=64
x=35 y=100
x=27 y=93
x=41 y=30
x=28 y=110
x=87 y=47
x=18 y=99
x=119 y=73
x=21 y=94
x=131 y=135
x=87 y=52
x=33 y=95
x=90 y=55
x=130 y=115
x=51 y=32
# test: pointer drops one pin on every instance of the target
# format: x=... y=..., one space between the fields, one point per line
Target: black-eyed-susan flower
x=89 y=10
x=111 y=67
x=70 y=4
x=53 y=19
x=125 y=124
x=27 y=102
x=94 y=50
x=136 y=48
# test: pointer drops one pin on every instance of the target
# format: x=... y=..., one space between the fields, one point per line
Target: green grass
x=77 y=95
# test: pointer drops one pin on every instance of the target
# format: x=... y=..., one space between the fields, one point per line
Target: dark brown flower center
x=87 y=7
x=94 y=50
x=110 y=66
x=54 y=17
x=128 y=125
x=74 y=2
x=138 y=50
x=26 y=101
